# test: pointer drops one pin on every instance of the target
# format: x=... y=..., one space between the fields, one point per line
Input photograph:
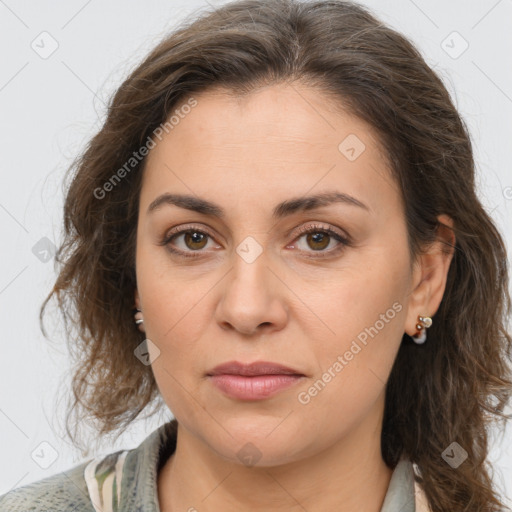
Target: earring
x=424 y=322
x=139 y=320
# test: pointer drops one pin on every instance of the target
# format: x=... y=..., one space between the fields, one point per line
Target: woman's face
x=249 y=286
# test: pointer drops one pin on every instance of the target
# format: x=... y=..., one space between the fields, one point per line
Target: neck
x=350 y=476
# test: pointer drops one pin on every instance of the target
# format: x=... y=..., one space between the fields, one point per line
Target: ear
x=430 y=275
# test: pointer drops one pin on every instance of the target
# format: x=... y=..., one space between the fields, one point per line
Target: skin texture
x=247 y=155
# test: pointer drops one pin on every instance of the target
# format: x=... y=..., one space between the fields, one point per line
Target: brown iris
x=195 y=237
x=319 y=240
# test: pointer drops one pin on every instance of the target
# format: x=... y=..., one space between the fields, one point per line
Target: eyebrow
x=284 y=209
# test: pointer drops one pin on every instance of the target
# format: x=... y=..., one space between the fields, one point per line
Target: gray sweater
x=126 y=481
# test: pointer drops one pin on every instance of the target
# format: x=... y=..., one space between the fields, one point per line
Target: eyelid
x=320 y=226
x=187 y=227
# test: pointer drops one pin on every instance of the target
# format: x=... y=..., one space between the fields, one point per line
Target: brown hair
x=449 y=389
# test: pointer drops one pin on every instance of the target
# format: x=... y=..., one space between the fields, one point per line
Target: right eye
x=194 y=240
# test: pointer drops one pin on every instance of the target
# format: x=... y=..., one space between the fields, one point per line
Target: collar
x=127 y=479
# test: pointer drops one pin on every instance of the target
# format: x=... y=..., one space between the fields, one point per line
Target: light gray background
x=49 y=108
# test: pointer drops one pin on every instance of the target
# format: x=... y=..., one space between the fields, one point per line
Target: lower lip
x=257 y=387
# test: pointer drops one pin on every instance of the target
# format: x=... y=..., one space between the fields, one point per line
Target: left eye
x=195 y=240
x=319 y=239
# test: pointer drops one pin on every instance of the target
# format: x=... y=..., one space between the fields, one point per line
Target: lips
x=253 y=369
x=255 y=381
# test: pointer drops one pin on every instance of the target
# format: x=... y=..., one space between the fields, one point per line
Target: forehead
x=293 y=117
x=289 y=138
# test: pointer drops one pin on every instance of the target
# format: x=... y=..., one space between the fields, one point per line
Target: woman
x=277 y=232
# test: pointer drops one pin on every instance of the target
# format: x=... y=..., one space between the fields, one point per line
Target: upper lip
x=251 y=369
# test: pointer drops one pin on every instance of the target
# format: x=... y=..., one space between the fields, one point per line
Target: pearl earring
x=139 y=320
x=424 y=322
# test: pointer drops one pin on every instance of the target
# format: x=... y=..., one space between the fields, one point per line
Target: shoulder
x=63 y=491
x=73 y=489
x=121 y=480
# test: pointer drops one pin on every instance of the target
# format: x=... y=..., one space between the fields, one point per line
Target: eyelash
x=316 y=228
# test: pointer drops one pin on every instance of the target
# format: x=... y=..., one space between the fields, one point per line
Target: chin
x=258 y=440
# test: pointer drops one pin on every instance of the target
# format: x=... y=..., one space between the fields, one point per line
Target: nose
x=253 y=299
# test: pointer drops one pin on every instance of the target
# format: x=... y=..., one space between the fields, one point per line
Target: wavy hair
x=450 y=389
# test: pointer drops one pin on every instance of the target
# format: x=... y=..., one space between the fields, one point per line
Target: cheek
x=354 y=297
x=174 y=319
x=175 y=315
x=176 y=312
x=364 y=308
x=166 y=292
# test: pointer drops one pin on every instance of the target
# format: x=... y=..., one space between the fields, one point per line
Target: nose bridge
x=251 y=294
x=249 y=279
